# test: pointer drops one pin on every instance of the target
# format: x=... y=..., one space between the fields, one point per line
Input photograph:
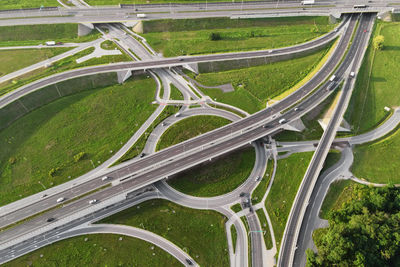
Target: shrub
x=53 y=171
x=214 y=36
x=12 y=160
x=79 y=156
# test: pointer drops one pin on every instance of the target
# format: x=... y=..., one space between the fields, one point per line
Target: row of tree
x=365 y=231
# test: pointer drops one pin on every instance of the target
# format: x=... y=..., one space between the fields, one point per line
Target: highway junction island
x=199 y=133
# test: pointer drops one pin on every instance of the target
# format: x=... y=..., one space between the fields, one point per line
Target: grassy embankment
x=338 y=192
x=192 y=36
x=264 y=227
x=288 y=177
x=65 y=64
x=175 y=93
x=217 y=177
x=189 y=128
x=254 y=86
x=40 y=149
x=261 y=188
x=97 y=250
x=13 y=60
x=38 y=34
x=201 y=233
x=376 y=87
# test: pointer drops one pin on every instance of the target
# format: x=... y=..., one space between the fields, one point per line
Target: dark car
x=50 y=219
x=142 y=155
x=189 y=262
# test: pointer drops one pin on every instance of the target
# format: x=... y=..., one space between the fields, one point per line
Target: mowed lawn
x=189 y=128
x=378 y=162
x=17 y=4
x=37 y=151
x=190 y=37
x=97 y=250
x=218 y=177
x=255 y=85
x=38 y=34
x=289 y=174
x=201 y=233
x=13 y=60
x=373 y=93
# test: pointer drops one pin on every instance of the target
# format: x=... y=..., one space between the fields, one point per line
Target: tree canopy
x=365 y=231
x=378 y=42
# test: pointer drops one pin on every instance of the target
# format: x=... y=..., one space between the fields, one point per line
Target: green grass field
x=17 y=59
x=332 y=158
x=17 y=4
x=378 y=161
x=236 y=208
x=234 y=236
x=255 y=85
x=97 y=250
x=60 y=66
x=261 y=188
x=201 y=233
x=189 y=128
x=39 y=34
x=96 y=122
x=192 y=36
x=265 y=228
x=288 y=177
x=217 y=177
x=338 y=192
x=377 y=83
x=175 y=93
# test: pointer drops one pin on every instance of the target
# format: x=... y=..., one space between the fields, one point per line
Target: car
x=242 y=194
x=365 y=30
x=296 y=109
x=189 y=262
x=270 y=51
x=50 y=219
x=282 y=121
x=266 y=126
x=335 y=30
x=61 y=199
x=45 y=195
x=181 y=59
x=93 y=201
x=258 y=178
x=59 y=43
x=352 y=74
x=105 y=178
x=251 y=209
x=142 y=155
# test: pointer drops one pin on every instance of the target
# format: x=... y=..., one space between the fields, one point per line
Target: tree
x=378 y=42
x=365 y=231
x=215 y=36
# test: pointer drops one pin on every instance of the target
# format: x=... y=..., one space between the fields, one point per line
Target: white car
x=93 y=201
x=61 y=199
x=105 y=178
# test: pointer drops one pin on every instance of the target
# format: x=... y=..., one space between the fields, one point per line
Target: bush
x=12 y=160
x=378 y=42
x=214 y=36
x=53 y=171
x=79 y=156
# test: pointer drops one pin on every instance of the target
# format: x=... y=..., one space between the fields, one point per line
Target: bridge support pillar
x=296 y=126
x=85 y=28
x=193 y=67
x=343 y=127
x=123 y=75
x=333 y=18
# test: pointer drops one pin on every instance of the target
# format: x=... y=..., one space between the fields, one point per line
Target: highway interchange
x=143 y=173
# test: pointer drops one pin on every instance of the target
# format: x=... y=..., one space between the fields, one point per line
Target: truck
x=308 y=2
x=141 y=15
x=50 y=43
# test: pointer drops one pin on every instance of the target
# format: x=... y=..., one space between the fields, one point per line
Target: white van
x=61 y=199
